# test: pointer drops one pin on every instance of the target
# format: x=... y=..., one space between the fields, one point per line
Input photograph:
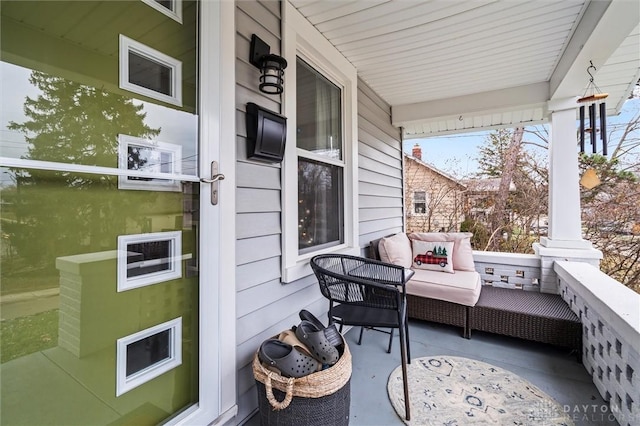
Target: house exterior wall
x=265 y=305
x=379 y=169
x=444 y=209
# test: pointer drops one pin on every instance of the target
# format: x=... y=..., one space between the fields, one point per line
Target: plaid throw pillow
x=434 y=256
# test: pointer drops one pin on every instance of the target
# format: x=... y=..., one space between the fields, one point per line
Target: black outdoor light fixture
x=271 y=66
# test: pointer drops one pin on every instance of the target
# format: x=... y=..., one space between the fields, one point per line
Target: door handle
x=215 y=178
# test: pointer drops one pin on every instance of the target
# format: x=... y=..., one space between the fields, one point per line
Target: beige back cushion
x=396 y=249
x=462 y=257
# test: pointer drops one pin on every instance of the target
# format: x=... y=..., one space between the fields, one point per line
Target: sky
x=456 y=154
x=177 y=127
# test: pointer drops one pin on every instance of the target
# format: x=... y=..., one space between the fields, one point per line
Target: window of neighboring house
x=320 y=198
x=419 y=202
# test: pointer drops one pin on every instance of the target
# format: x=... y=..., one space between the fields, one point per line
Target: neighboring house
x=480 y=197
x=167 y=251
x=433 y=199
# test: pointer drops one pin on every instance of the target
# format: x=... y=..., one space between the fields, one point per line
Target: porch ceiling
x=449 y=66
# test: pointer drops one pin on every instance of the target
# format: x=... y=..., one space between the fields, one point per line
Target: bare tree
x=499 y=216
x=519 y=198
x=610 y=211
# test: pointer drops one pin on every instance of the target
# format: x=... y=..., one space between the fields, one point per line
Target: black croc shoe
x=331 y=332
x=317 y=343
x=286 y=358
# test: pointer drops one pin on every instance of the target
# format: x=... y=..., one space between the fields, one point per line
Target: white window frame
x=129 y=45
x=301 y=39
x=155 y=184
x=175 y=260
x=125 y=383
x=176 y=14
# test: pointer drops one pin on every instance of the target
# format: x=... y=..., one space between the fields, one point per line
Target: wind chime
x=591 y=97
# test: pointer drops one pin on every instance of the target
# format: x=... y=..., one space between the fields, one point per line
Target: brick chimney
x=417 y=152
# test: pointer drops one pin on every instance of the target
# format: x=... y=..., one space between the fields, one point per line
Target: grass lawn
x=18 y=276
x=25 y=335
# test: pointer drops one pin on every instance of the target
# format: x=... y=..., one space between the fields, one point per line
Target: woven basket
x=319 y=398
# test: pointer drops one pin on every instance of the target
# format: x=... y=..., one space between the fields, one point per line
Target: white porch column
x=564 y=191
x=564 y=241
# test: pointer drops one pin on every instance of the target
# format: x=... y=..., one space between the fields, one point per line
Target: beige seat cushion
x=462 y=287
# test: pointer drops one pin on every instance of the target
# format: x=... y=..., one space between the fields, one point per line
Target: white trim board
x=300 y=38
x=174 y=260
x=128 y=45
x=175 y=13
x=160 y=148
x=81 y=168
x=125 y=383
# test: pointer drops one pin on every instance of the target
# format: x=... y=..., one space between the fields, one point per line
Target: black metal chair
x=367 y=293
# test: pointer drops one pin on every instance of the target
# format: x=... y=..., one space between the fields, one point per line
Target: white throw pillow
x=433 y=255
x=396 y=249
x=462 y=251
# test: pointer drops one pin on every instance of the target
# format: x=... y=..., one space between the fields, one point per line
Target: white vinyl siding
x=265 y=304
x=380 y=188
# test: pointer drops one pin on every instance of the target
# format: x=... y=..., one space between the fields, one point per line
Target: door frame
x=217 y=366
x=217 y=332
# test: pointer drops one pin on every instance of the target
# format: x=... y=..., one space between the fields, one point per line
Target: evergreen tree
x=58 y=212
x=491 y=155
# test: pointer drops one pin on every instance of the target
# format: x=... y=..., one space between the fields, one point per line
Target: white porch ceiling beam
x=512 y=99
x=602 y=29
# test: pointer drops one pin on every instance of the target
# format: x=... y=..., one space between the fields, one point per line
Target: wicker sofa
x=523 y=314
x=428 y=299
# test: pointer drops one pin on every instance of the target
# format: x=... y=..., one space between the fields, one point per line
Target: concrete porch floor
x=552 y=369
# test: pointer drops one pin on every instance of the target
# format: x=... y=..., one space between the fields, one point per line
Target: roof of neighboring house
x=486 y=185
x=435 y=170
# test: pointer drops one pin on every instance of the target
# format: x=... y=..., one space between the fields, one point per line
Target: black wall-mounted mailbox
x=266 y=133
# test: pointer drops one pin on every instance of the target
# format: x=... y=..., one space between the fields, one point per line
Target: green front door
x=100 y=211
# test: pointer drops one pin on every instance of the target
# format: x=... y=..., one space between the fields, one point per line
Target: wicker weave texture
x=439 y=311
x=314 y=385
x=527 y=315
x=321 y=398
x=332 y=409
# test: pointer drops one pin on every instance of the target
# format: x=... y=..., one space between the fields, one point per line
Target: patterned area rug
x=454 y=391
